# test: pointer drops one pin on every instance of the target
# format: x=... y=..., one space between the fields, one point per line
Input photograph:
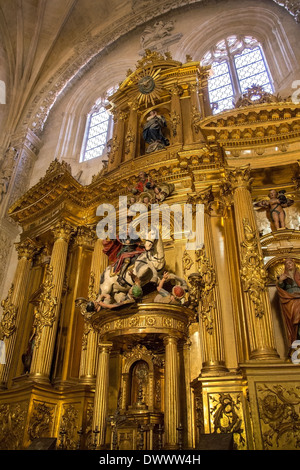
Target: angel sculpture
x=275 y=204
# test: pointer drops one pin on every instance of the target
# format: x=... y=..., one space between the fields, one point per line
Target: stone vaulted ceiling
x=48 y=43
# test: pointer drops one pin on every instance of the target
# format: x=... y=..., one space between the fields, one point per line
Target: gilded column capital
x=105 y=347
x=122 y=115
x=85 y=236
x=239 y=177
x=169 y=339
x=62 y=230
x=204 y=197
x=176 y=90
x=26 y=249
x=133 y=105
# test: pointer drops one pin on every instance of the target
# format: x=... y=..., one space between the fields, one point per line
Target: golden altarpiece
x=159 y=375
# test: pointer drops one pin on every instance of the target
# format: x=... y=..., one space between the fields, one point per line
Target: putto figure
x=288 y=288
x=152 y=132
x=275 y=204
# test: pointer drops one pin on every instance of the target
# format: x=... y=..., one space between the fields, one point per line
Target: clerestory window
x=98 y=131
x=237 y=63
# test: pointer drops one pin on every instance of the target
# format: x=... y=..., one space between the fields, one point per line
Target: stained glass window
x=237 y=63
x=98 y=129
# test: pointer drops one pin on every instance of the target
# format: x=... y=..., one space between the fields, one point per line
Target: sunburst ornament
x=148 y=85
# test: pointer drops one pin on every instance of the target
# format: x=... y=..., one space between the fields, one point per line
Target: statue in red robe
x=288 y=288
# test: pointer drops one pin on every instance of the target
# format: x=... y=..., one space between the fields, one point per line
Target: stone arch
x=262 y=24
x=45 y=100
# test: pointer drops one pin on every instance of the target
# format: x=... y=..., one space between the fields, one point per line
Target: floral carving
x=202 y=286
x=12 y=422
x=227 y=416
x=44 y=314
x=41 y=421
x=68 y=426
x=8 y=321
x=279 y=412
x=253 y=273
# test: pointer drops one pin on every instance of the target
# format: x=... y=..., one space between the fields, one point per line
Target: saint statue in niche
x=288 y=288
x=152 y=132
x=275 y=204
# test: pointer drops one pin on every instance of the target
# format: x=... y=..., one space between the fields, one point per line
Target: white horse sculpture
x=147 y=268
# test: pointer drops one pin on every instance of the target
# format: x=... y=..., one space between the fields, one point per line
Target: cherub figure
x=276 y=204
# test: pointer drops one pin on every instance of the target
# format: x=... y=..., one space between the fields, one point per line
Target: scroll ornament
x=8 y=321
x=253 y=273
x=202 y=286
x=44 y=314
x=82 y=304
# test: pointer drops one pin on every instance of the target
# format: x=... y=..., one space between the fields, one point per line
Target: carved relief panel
x=279 y=415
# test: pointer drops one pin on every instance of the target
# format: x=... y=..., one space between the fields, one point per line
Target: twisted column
x=12 y=305
x=47 y=313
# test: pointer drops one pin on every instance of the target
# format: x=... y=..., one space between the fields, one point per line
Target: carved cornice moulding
x=92 y=46
x=258 y=124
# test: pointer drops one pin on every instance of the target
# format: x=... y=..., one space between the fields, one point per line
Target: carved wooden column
x=12 y=305
x=82 y=245
x=132 y=133
x=117 y=141
x=203 y=91
x=210 y=307
x=101 y=393
x=46 y=314
x=176 y=118
x=171 y=413
x=232 y=255
x=88 y=361
x=253 y=274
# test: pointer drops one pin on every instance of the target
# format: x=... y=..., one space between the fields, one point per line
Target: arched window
x=237 y=63
x=98 y=129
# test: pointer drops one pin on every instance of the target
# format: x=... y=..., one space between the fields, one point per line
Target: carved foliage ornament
x=41 y=421
x=279 y=413
x=8 y=321
x=68 y=427
x=44 y=314
x=202 y=286
x=253 y=273
x=227 y=416
x=12 y=422
x=208 y=276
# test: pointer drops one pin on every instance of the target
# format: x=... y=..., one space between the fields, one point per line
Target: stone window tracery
x=98 y=131
x=237 y=63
